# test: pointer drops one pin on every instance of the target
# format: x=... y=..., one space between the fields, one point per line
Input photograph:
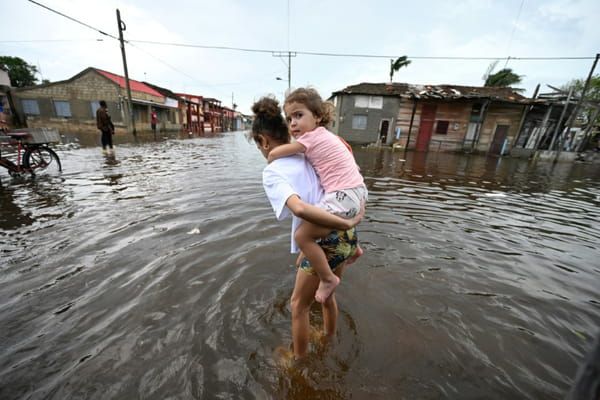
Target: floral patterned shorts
x=338 y=245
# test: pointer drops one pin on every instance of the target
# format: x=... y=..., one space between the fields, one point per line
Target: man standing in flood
x=104 y=123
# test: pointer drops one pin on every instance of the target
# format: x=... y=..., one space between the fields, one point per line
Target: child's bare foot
x=326 y=288
x=359 y=252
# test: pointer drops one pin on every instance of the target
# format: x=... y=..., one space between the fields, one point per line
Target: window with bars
x=359 y=122
x=62 y=108
x=94 y=106
x=368 y=102
x=30 y=106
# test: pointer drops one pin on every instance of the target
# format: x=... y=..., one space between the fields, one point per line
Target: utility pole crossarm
x=289 y=55
x=122 y=27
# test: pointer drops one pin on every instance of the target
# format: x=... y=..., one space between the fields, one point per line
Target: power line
x=512 y=34
x=73 y=19
x=311 y=53
x=276 y=52
x=51 y=40
x=160 y=60
x=308 y=53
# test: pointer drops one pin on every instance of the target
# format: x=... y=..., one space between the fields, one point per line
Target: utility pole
x=289 y=55
x=573 y=116
x=122 y=27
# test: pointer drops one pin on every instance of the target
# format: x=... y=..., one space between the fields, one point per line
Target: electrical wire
x=312 y=53
x=73 y=19
x=279 y=52
x=308 y=53
x=512 y=34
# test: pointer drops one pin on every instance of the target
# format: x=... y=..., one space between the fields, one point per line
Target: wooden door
x=499 y=137
x=425 y=126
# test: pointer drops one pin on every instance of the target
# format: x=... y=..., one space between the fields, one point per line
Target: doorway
x=384 y=128
x=425 y=126
x=499 y=137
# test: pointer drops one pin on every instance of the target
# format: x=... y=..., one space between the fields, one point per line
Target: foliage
x=592 y=92
x=504 y=78
x=396 y=65
x=20 y=73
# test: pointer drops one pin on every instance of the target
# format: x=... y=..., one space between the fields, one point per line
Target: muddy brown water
x=160 y=272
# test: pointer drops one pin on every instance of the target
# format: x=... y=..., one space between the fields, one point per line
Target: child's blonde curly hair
x=310 y=98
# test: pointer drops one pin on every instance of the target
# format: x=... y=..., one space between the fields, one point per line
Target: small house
x=429 y=117
x=71 y=105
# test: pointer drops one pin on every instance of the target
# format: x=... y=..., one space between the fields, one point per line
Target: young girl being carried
x=307 y=116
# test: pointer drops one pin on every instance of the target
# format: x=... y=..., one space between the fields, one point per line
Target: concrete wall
x=81 y=91
x=346 y=110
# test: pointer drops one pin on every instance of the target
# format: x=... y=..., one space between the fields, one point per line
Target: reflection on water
x=159 y=271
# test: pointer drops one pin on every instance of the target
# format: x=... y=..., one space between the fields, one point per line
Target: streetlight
x=281 y=79
x=289 y=55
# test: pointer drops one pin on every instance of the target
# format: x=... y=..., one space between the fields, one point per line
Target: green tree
x=592 y=93
x=20 y=73
x=396 y=65
x=504 y=78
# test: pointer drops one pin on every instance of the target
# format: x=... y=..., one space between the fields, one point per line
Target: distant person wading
x=104 y=123
x=153 y=120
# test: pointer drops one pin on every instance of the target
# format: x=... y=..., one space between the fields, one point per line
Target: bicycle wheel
x=10 y=167
x=41 y=160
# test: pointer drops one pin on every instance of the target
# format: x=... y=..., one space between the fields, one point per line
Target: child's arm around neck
x=285 y=150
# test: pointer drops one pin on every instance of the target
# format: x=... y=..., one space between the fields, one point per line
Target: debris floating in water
x=495 y=194
x=194 y=231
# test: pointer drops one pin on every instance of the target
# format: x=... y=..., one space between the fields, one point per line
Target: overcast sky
x=262 y=29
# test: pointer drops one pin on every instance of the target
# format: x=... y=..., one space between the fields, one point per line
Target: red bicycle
x=29 y=151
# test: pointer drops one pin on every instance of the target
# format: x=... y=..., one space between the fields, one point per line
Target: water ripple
x=160 y=272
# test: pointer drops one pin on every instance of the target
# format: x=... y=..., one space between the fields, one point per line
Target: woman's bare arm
x=321 y=217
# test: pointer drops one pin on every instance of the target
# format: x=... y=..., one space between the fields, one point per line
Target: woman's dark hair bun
x=266 y=107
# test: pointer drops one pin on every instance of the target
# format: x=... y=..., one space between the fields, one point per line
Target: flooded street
x=161 y=272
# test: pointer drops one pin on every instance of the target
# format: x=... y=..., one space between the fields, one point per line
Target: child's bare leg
x=305 y=236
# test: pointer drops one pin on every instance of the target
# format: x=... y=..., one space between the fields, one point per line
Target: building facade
x=71 y=105
x=430 y=117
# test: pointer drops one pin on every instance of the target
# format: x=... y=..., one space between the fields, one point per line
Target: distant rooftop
x=133 y=84
x=434 y=91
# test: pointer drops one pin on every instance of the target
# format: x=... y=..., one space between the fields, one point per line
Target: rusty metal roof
x=433 y=92
x=133 y=84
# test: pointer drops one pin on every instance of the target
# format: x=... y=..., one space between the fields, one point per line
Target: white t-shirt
x=285 y=177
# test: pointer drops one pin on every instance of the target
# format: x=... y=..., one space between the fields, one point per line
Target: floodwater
x=160 y=272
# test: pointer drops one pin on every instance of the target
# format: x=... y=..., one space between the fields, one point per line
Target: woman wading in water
x=293 y=187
